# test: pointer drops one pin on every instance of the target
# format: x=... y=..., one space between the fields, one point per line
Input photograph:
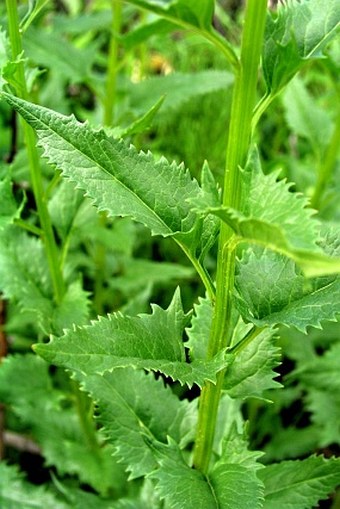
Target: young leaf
x=298 y=32
x=131 y=404
x=299 y=484
x=152 y=342
x=17 y=493
x=113 y=174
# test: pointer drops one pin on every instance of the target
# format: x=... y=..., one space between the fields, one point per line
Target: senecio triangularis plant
x=160 y=409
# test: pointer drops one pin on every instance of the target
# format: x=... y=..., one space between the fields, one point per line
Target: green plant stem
x=111 y=83
x=33 y=159
x=85 y=413
x=327 y=165
x=238 y=145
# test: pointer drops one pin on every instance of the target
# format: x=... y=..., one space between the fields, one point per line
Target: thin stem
x=204 y=275
x=327 y=165
x=260 y=108
x=111 y=83
x=238 y=144
x=85 y=413
x=33 y=158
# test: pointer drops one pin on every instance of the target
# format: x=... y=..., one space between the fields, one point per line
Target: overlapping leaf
x=250 y=370
x=231 y=483
x=152 y=342
x=9 y=209
x=299 y=484
x=130 y=405
x=274 y=217
x=299 y=31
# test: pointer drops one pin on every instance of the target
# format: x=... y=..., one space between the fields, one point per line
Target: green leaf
x=230 y=484
x=9 y=210
x=299 y=484
x=113 y=174
x=197 y=13
x=298 y=32
x=17 y=493
x=51 y=50
x=177 y=89
x=151 y=342
x=252 y=372
x=131 y=404
x=276 y=218
x=51 y=415
x=305 y=117
x=270 y=291
x=251 y=360
x=63 y=208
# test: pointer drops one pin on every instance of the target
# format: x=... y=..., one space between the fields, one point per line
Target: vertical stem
x=33 y=159
x=238 y=145
x=111 y=83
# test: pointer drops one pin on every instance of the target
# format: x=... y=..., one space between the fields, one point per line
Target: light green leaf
x=177 y=88
x=131 y=404
x=63 y=207
x=151 y=342
x=299 y=484
x=73 y=309
x=52 y=51
x=298 y=32
x=324 y=406
x=143 y=32
x=305 y=117
x=113 y=174
x=270 y=291
x=17 y=493
x=199 y=332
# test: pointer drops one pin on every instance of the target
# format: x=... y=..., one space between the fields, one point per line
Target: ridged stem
x=243 y=102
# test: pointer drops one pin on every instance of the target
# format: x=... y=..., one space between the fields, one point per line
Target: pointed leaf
x=299 y=31
x=9 y=210
x=131 y=404
x=151 y=342
x=299 y=484
x=276 y=218
x=113 y=174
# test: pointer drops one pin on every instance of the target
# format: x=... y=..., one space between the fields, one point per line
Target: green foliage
x=130 y=402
